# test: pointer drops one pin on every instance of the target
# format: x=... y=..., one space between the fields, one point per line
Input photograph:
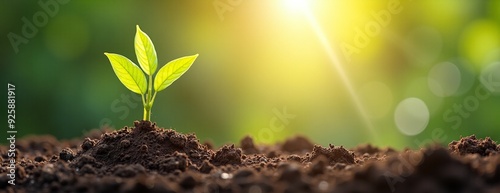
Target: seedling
x=134 y=79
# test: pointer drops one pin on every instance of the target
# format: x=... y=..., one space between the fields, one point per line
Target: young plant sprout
x=134 y=79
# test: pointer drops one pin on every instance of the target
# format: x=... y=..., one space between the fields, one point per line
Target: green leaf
x=128 y=73
x=145 y=51
x=172 y=71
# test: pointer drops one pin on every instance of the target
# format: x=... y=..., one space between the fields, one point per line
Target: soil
x=147 y=158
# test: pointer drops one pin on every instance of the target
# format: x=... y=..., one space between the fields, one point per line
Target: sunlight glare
x=296 y=5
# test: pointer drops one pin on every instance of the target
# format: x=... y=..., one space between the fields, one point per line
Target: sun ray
x=335 y=62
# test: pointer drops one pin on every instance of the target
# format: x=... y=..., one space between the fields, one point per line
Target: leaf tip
x=138 y=29
x=108 y=54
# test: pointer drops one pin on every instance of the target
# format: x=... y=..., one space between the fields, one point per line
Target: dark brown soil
x=146 y=158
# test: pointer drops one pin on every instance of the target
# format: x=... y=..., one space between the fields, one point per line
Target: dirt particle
x=40 y=158
x=144 y=148
x=125 y=143
x=66 y=154
x=53 y=159
x=87 y=144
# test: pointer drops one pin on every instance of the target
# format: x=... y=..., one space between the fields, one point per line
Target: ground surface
x=151 y=159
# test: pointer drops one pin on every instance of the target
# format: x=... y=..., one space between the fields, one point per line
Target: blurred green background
x=415 y=71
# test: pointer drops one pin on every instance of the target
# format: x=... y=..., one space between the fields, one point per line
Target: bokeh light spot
x=411 y=116
x=478 y=40
x=446 y=78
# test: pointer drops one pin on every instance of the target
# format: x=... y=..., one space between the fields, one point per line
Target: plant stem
x=153 y=99
x=148 y=104
x=147 y=113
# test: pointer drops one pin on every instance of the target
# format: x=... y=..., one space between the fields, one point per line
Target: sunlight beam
x=335 y=62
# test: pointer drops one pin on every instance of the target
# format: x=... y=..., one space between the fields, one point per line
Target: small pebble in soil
x=226 y=176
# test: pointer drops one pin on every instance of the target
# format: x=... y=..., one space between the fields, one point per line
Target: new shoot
x=141 y=81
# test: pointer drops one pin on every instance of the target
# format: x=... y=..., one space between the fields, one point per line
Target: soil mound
x=333 y=154
x=153 y=148
x=472 y=145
